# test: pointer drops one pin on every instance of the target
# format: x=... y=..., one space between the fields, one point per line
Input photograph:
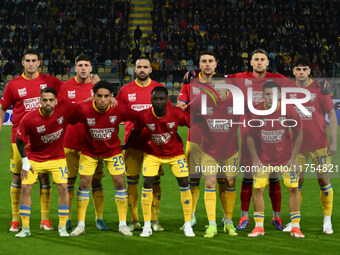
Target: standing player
x=137 y=95
x=76 y=90
x=207 y=64
x=273 y=150
x=315 y=140
x=101 y=124
x=162 y=122
x=45 y=128
x=23 y=93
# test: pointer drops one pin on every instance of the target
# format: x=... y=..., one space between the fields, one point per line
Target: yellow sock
x=195 y=193
x=156 y=201
x=221 y=194
x=230 y=199
x=25 y=214
x=210 y=203
x=83 y=197
x=98 y=199
x=63 y=212
x=70 y=189
x=259 y=219
x=121 y=197
x=300 y=193
x=45 y=199
x=186 y=200
x=295 y=217
x=147 y=197
x=132 y=190
x=326 y=197
x=15 y=197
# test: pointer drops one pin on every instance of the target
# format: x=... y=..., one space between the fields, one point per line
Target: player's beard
x=142 y=76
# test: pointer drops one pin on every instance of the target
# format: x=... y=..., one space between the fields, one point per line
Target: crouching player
x=162 y=122
x=45 y=128
x=101 y=122
x=273 y=151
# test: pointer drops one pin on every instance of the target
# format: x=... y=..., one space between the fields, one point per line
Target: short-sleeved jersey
x=101 y=128
x=137 y=98
x=24 y=96
x=46 y=133
x=274 y=141
x=73 y=92
x=162 y=134
x=314 y=126
x=220 y=139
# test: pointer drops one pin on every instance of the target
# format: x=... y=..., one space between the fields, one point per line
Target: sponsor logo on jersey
x=71 y=94
x=101 y=134
x=248 y=82
x=161 y=138
x=22 y=92
x=140 y=107
x=257 y=97
x=60 y=120
x=272 y=136
x=171 y=125
x=304 y=116
x=151 y=127
x=112 y=119
x=91 y=121
x=217 y=126
x=42 y=86
x=132 y=97
x=49 y=138
x=312 y=98
x=41 y=129
x=196 y=91
x=31 y=103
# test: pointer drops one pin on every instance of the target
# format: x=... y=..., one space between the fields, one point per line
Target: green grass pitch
x=172 y=240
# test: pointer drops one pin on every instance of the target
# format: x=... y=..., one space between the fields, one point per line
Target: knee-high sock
x=195 y=193
x=121 y=197
x=45 y=200
x=83 y=197
x=156 y=200
x=221 y=194
x=259 y=219
x=246 y=193
x=275 y=195
x=98 y=199
x=132 y=190
x=295 y=218
x=15 y=198
x=147 y=197
x=186 y=201
x=326 y=197
x=70 y=188
x=25 y=214
x=230 y=199
x=210 y=203
x=63 y=212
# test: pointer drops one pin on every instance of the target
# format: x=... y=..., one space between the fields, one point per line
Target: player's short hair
x=82 y=57
x=218 y=76
x=270 y=85
x=103 y=85
x=207 y=52
x=48 y=90
x=302 y=61
x=31 y=52
x=262 y=51
x=141 y=58
x=160 y=89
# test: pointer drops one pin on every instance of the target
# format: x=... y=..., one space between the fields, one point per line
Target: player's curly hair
x=103 y=85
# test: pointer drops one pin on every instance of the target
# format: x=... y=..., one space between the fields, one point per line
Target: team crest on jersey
x=42 y=86
x=112 y=119
x=151 y=127
x=171 y=125
x=22 y=92
x=41 y=129
x=196 y=91
x=91 y=121
x=312 y=97
x=60 y=120
x=248 y=82
x=132 y=97
x=71 y=94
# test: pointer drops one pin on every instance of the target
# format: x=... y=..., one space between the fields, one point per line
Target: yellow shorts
x=72 y=159
x=290 y=179
x=88 y=165
x=320 y=161
x=220 y=168
x=57 y=168
x=152 y=163
x=15 y=161
x=193 y=154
